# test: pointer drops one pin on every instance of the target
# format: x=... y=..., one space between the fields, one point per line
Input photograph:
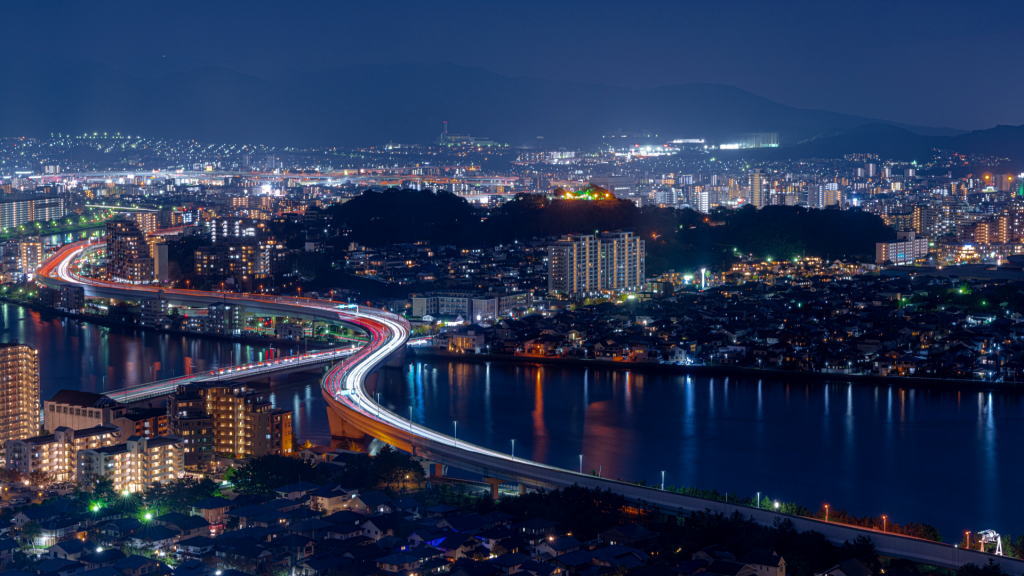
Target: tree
x=990 y=569
x=31 y=530
x=396 y=470
x=180 y=494
x=262 y=475
x=863 y=549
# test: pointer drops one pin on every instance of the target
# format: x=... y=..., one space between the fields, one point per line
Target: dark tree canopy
x=676 y=239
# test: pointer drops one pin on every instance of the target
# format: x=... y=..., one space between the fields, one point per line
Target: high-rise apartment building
x=147 y=221
x=19 y=392
x=623 y=266
x=245 y=261
x=128 y=258
x=824 y=195
x=160 y=253
x=31 y=254
x=243 y=422
x=702 y=199
x=906 y=250
x=590 y=264
x=16 y=210
x=574 y=265
x=193 y=424
x=757 y=189
x=225 y=228
x=983 y=233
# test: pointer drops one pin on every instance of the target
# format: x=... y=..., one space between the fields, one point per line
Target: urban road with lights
x=356 y=416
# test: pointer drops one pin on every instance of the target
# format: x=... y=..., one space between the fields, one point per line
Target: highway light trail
x=344 y=389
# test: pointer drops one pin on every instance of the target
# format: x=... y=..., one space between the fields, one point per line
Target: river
x=940 y=457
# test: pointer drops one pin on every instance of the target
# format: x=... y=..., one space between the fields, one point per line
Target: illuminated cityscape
x=451 y=288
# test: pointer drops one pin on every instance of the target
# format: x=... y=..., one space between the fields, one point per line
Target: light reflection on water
x=916 y=455
x=82 y=356
x=912 y=454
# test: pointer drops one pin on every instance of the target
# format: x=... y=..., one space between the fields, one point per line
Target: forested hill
x=676 y=239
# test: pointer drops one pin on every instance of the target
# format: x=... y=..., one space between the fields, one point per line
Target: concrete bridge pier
x=433 y=469
x=346 y=436
x=494 y=483
x=396 y=359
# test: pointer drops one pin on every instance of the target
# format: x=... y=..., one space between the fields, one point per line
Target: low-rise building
x=76 y=409
x=134 y=465
x=471 y=307
x=224 y=319
x=50 y=458
x=154 y=312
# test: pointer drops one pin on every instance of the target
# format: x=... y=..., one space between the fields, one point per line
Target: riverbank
x=728 y=370
x=108 y=322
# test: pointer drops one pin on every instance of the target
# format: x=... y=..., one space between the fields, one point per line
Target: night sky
x=936 y=62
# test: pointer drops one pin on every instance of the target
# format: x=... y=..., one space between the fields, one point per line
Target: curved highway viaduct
x=355 y=416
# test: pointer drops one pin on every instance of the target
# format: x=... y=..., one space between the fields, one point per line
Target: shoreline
x=946 y=384
x=263 y=341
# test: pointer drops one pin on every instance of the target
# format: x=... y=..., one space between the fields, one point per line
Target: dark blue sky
x=931 y=62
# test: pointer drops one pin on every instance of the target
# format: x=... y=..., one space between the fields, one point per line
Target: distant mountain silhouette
x=998 y=141
x=404 y=103
x=883 y=139
x=895 y=142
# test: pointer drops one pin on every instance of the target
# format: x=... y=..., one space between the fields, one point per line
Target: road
x=167 y=386
x=354 y=414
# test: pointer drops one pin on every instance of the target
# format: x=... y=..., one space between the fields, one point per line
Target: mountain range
x=407 y=103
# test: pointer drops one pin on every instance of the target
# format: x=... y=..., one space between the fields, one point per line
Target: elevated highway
x=354 y=416
x=280 y=365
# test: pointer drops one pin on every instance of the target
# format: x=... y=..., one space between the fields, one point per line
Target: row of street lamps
x=776 y=505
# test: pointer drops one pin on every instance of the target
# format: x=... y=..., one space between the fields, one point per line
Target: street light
x=581 y=463
x=513 y=448
x=662 y=479
x=758 y=499
x=410 y=419
x=826 y=512
x=885 y=522
x=455 y=432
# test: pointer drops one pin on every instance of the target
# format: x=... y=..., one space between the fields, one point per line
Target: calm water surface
x=945 y=458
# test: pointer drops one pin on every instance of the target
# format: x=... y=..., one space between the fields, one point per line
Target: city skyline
x=491 y=289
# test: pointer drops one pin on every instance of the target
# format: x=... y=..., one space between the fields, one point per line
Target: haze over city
x=112 y=65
